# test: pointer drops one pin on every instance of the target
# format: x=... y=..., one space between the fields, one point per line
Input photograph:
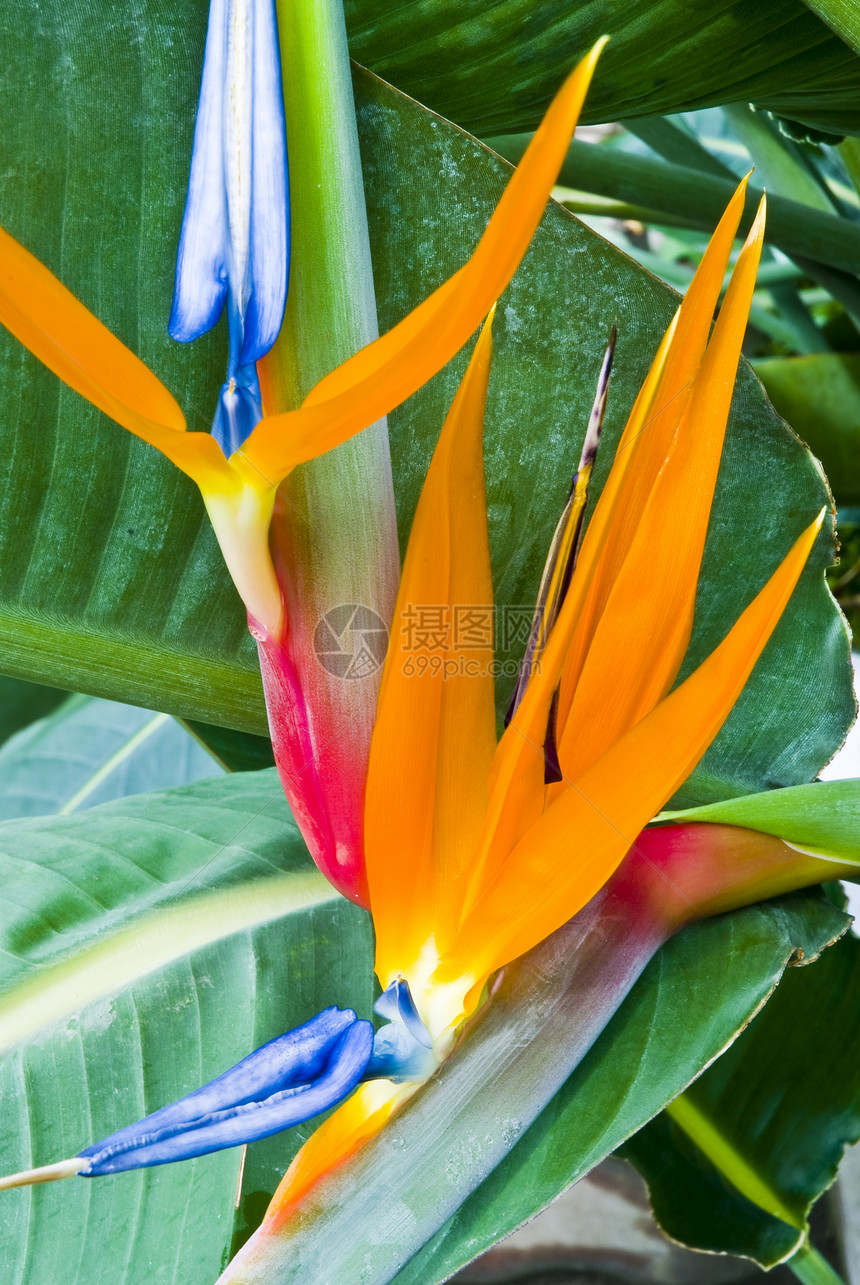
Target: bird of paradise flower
x=478 y=850
x=475 y=851
x=239 y=489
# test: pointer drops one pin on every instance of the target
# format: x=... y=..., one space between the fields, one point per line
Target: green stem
x=334 y=532
x=699 y=197
x=728 y=1160
x=810 y=1268
x=676 y=145
x=339 y=509
x=780 y=165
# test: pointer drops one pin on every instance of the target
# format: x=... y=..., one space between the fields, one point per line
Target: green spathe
x=823 y=818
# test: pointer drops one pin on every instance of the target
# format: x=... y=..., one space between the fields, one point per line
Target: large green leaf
x=147 y=945
x=90 y=751
x=492 y=68
x=111 y=580
x=766 y=1124
x=819 y=395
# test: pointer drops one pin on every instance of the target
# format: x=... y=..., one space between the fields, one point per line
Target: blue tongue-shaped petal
x=235 y=241
x=287 y=1081
x=239 y=409
x=402 y=1049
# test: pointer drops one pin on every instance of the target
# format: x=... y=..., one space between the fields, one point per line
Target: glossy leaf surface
x=89 y=751
x=111 y=580
x=492 y=68
x=146 y=946
x=780 y=1104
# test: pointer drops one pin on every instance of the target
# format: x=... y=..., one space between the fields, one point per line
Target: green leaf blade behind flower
x=111 y=580
x=784 y=1099
x=819 y=395
x=493 y=69
x=89 y=751
x=823 y=817
x=146 y=946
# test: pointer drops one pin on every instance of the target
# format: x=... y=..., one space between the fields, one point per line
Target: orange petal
x=356 y=1120
x=516 y=779
x=580 y=840
x=434 y=735
x=639 y=641
x=646 y=442
x=70 y=341
x=390 y=369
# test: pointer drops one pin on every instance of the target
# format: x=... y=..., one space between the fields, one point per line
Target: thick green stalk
x=343 y=541
x=700 y=198
x=785 y=171
x=678 y=147
x=339 y=515
x=334 y=534
x=810 y=1268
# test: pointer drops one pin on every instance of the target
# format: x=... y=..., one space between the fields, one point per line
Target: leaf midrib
x=150 y=943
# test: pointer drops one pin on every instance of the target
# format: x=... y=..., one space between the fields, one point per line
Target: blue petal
x=235 y=233
x=239 y=409
x=287 y=1081
x=269 y=259
x=402 y=1049
x=202 y=263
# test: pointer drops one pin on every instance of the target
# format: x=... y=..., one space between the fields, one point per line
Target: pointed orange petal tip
x=58 y=329
x=756 y=232
x=391 y=368
x=339 y=1137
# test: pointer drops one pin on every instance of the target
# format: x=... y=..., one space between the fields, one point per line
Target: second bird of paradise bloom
x=479 y=849
x=475 y=851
